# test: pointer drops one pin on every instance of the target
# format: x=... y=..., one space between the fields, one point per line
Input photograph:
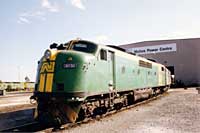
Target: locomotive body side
x=127 y=72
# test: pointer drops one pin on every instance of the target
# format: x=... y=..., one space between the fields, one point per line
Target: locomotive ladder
x=112 y=94
x=111 y=98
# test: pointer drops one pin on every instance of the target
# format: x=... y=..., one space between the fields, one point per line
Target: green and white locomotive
x=81 y=79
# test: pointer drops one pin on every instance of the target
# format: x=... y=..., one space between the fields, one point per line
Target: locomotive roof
x=121 y=51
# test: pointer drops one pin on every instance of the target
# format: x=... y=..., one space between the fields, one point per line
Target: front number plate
x=69 y=65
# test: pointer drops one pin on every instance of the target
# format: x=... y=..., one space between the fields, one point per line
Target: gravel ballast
x=177 y=111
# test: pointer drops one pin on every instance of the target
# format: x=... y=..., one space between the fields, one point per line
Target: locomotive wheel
x=99 y=111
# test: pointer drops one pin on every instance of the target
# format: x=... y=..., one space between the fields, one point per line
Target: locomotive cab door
x=111 y=77
x=111 y=71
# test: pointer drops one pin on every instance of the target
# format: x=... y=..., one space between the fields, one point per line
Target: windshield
x=84 y=47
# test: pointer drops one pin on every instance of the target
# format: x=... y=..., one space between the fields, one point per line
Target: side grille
x=145 y=64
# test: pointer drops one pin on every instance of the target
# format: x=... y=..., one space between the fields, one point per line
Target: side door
x=160 y=76
x=111 y=70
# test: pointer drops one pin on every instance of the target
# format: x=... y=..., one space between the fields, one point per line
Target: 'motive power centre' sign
x=154 y=49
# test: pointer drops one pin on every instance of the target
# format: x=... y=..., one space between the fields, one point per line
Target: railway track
x=36 y=127
x=16 y=94
x=28 y=127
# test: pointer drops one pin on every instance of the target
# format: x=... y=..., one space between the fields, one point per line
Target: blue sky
x=27 y=27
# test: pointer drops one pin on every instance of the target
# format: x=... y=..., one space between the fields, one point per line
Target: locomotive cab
x=56 y=67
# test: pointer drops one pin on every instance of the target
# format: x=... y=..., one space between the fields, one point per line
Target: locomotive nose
x=69 y=74
x=61 y=71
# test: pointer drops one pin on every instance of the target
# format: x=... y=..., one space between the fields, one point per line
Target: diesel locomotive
x=82 y=79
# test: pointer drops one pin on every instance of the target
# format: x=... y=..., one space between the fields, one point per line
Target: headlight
x=47 y=54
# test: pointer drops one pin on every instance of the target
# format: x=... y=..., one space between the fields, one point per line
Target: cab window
x=103 y=54
x=84 y=47
x=162 y=68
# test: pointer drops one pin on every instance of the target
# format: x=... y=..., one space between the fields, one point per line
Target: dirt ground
x=178 y=111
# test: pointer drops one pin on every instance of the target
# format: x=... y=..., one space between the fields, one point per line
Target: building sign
x=153 y=49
